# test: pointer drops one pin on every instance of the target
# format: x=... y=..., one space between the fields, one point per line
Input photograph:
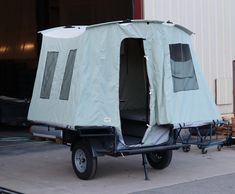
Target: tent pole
x=147 y=92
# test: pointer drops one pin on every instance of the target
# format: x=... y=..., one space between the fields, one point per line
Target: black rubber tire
x=219 y=147
x=199 y=146
x=159 y=160
x=186 y=148
x=204 y=151
x=88 y=168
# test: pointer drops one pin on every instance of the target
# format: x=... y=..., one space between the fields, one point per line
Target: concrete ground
x=44 y=167
x=216 y=185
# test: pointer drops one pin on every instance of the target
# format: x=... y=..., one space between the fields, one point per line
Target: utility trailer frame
x=92 y=142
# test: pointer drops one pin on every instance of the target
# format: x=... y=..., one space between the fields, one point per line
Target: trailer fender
x=88 y=143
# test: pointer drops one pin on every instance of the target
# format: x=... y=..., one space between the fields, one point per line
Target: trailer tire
x=219 y=147
x=159 y=160
x=204 y=151
x=83 y=161
x=186 y=148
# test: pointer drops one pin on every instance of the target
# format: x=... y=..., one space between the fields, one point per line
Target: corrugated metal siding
x=213 y=21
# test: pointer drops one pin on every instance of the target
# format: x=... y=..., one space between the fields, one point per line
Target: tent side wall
x=93 y=96
x=48 y=105
x=184 y=106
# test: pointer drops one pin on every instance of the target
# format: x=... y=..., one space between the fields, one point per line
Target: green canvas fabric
x=94 y=92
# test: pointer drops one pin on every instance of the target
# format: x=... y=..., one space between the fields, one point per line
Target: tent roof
x=64 y=31
x=74 y=31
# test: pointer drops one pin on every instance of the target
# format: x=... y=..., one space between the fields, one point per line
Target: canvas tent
x=92 y=75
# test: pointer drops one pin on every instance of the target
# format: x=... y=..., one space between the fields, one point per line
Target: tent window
x=183 y=73
x=65 y=88
x=48 y=76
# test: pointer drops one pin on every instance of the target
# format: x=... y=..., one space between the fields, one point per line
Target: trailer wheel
x=219 y=147
x=159 y=160
x=204 y=151
x=84 y=164
x=186 y=148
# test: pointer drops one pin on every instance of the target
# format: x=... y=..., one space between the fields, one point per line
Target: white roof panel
x=64 y=32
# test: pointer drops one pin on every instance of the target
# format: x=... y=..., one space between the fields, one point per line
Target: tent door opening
x=133 y=91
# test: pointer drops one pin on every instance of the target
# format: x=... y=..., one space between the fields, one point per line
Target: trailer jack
x=144 y=162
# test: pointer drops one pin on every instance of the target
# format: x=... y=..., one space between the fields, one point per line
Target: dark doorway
x=18 y=48
x=133 y=91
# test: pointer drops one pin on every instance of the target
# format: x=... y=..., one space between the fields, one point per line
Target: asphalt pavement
x=223 y=184
x=45 y=167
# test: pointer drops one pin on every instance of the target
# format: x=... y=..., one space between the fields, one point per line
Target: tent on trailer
x=104 y=74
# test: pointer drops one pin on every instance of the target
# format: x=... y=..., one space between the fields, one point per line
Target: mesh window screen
x=182 y=68
x=48 y=75
x=65 y=88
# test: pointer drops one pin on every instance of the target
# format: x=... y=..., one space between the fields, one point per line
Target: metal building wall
x=213 y=22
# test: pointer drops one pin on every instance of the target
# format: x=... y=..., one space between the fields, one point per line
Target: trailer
x=120 y=88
